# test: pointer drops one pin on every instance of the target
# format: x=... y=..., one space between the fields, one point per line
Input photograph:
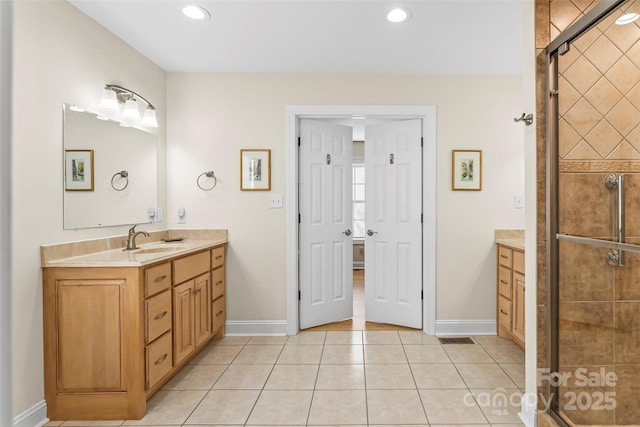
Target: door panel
x=326 y=252
x=393 y=284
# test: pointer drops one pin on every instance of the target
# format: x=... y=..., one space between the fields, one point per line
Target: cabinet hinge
x=299 y=295
x=298 y=141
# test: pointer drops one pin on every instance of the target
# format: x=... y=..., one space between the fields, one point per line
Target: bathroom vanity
x=510 y=287
x=119 y=324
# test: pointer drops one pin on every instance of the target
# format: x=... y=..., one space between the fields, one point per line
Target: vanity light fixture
x=114 y=95
x=196 y=12
x=399 y=14
x=627 y=18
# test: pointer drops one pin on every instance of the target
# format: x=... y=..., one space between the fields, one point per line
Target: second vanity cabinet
x=113 y=336
x=511 y=293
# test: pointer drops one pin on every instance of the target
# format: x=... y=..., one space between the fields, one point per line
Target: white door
x=393 y=210
x=326 y=244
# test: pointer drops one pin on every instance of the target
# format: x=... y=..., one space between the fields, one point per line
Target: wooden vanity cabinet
x=511 y=293
x=114 y=335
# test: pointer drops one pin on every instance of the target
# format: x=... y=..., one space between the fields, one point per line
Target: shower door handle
x=617 y=182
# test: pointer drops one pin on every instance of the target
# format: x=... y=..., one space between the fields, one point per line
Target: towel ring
x=121 y=174
x=208 y=174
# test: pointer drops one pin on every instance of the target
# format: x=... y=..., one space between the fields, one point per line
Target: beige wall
x=60 y=56
x=212 y=116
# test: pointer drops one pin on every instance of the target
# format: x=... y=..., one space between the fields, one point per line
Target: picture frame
x=78 y=170
x=466 y=170
x=255 y=170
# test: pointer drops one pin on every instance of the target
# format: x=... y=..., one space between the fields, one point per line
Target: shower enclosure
x=593 y=134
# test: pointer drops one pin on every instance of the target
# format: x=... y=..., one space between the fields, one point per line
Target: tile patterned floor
x=335 y=378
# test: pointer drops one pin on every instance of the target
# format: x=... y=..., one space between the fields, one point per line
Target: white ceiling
x=321 y=36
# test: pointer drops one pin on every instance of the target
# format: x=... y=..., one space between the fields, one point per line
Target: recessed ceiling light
x=196 y=12
x=399 y=14
x=627 y=18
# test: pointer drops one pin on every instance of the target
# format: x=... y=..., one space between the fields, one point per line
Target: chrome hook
x=527 y=119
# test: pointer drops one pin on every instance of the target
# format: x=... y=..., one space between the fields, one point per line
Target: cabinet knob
x=161 y=315
x=197 y=291
x=502 y=281
x=162 y=359
x=219 y=257
x=219 y=313
x=160 y=278
x=503 y=312
x=219 y=282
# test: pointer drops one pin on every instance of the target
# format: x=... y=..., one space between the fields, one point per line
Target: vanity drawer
x=190 y=266
x=504 y=281
x=504 y=312
x=218 y=313
x=158 y=360
x=518 y=261
x=504 y=256
x=217 y=257
x=157 y=315
x=157 y=279
x=217 y=279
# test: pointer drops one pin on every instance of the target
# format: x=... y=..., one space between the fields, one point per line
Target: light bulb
x=149 y=118
x=109 y=100
x=131 y=109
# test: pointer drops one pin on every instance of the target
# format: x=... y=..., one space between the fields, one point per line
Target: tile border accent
x=598 y=166
x=466 y=327
x=36 y=416
x=256 y=327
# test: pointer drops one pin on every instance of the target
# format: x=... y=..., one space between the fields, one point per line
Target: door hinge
x=421 y=218
x=391 y=158
x=421 y=141
x=299 y=221
x=328 y=159
x=299 y=295
x=421 y=295
x=298 y=141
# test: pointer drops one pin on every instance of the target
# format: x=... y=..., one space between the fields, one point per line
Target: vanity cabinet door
x=202 y=308
x=183 y=321
x=518 y=306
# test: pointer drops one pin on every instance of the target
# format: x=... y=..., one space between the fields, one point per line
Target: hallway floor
x=356 y=378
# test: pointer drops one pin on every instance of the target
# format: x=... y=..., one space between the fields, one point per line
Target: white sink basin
x=159 y=248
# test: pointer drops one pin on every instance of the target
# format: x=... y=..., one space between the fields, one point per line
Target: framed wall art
x=255 y=170
x=466 y=170
x=78 y=174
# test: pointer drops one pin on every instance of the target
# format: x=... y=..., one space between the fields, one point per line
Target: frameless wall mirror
x=110 y=171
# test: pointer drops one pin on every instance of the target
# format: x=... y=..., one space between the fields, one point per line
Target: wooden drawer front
x=218 y=314
x=504 y=281
x=158 y=360
x=190 y=266
x=504 y=256
x=504 y=312
x=217 y=279
x=217 y=257
x=158 y=315
x=157 y=279
x=518 y=261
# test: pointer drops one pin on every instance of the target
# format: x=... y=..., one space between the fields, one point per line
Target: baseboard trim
x=529 y=411
x=466 y=327
x=256 y=327
x=36 y=416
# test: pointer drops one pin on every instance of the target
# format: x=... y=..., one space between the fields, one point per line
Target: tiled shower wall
x=599 y=106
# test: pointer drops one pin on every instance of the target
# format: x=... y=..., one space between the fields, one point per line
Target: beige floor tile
x=384 y=354
x=267 y=340
x=515 y=372
x=492 y=340
x=418 y=337
x=437 y=375
x=481 y=375
x=395 y=406
x=254 y=354
x=342 y=354
x=281 y=407
x=53 y=424
x=224 y=407
x=244 y=377
x=89 y=423
x=343 y=337
x=381 y=337
x=505 y=353
x=300 y=354
x=467 y=353
x=292 y=377
x=340 y=377
x=216 y=354
x=231 y=340
x=195 y=377
x=426 y=354
x=307 y=338
x=500 y=406
x=397 y=425
x=459 y=425
x=169 y=407
x=389 y=377
x=331 y=407
x=451 y=407
x=520 y=424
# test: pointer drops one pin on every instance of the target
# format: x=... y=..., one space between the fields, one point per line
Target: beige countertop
x=146 y=254
x=513 y=243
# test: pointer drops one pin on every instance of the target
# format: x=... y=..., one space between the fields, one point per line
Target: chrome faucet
x=131 y=240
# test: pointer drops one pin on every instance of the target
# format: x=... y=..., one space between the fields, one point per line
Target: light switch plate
x=518 y=201
x=275 y=201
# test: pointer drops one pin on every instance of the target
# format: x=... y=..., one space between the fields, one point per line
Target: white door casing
x=393 y=209
x=326 y=243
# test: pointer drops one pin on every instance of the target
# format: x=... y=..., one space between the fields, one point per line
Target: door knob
x=370 y=232
x=347 y=232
